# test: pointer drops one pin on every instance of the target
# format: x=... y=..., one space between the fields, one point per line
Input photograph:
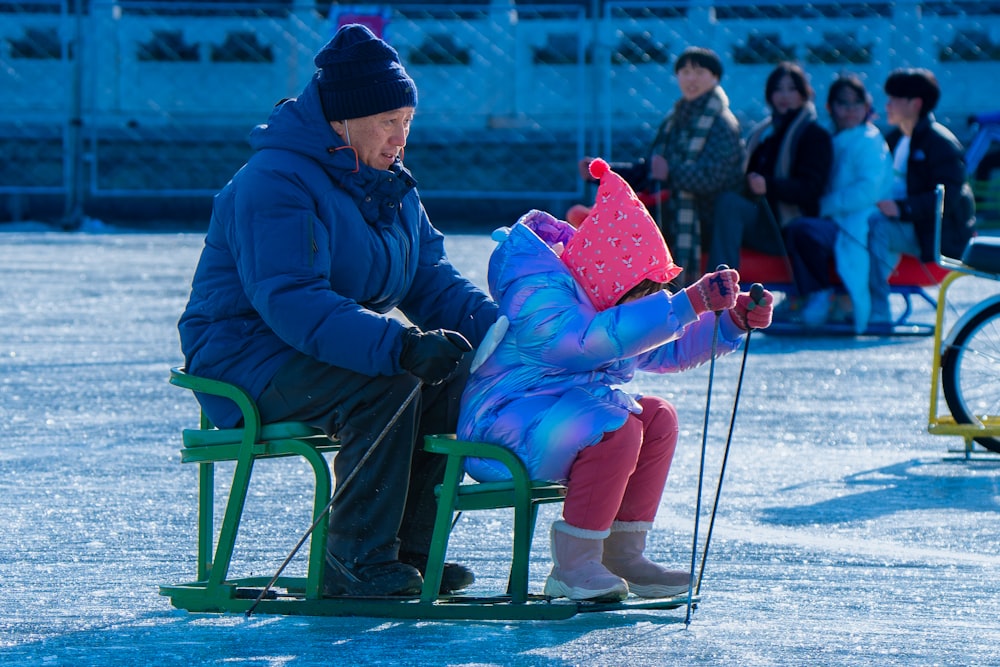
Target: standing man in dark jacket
x=697 y=154
x=310 y=246
x=925 y=154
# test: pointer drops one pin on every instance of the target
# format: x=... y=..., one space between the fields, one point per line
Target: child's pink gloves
x=714 y=291
x=750 y=315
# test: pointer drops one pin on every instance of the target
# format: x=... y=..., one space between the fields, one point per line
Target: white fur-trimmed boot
x=623 y=555
x=577 y=572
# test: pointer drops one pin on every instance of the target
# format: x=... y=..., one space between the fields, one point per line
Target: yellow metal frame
x=938 y=424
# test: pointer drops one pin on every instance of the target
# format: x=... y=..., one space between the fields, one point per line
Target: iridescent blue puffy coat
x=550 y=387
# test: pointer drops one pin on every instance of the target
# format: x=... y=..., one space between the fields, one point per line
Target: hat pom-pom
x=598 y=168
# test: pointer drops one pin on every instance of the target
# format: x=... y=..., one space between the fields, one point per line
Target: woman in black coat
x=790 y=159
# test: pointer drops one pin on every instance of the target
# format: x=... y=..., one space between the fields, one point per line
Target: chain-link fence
x=139 y=109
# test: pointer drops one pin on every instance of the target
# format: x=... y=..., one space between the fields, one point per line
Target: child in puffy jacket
x=581 y=311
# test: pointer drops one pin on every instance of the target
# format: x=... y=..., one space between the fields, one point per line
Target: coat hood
x=532 y=245
x=297 y=125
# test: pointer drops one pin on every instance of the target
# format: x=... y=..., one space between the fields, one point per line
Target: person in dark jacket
x=310 y=247
x=925 y=154
x=697 y=153
x=791 y=155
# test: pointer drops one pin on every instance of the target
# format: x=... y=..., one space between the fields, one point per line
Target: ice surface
x=846 y=534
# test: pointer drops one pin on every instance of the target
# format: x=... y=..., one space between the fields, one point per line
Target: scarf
x=686 y=230
x=786 y=151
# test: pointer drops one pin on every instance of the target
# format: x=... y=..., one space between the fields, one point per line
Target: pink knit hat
x=618 y=245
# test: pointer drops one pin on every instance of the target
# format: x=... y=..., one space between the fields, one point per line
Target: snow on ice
x=845 y=535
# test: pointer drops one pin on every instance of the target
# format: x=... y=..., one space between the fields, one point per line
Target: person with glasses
x=925 y=154
x=861 y=174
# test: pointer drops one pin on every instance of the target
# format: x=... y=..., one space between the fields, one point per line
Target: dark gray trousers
x=389 y=505
x=738 y=222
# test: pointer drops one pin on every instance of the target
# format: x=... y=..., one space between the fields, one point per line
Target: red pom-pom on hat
x=598 y=168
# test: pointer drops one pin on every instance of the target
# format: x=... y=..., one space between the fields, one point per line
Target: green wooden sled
x=215 y=591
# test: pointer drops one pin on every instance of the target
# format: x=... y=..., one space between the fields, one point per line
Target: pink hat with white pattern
x=618 y=245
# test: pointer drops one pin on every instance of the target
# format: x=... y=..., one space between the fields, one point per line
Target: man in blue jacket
x=310 y=246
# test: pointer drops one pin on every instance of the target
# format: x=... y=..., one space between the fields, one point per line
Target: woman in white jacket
x=861 y=175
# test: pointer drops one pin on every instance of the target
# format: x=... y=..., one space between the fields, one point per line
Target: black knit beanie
x=360 y=75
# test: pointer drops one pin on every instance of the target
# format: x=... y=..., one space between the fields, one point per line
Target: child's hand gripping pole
x=753 y=309
x=715 y=291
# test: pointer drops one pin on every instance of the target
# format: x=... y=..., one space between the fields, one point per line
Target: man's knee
x=371 y=406
x=396 y=387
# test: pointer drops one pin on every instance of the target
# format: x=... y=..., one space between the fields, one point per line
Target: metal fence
x=141 y=109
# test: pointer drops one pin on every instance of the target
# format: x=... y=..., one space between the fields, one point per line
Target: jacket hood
x=531 y=246
x=297 y=125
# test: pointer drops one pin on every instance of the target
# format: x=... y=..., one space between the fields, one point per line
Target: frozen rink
x=846 y=534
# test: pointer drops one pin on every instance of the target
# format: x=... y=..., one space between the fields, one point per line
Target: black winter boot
x=390 y=578
x=454 y=577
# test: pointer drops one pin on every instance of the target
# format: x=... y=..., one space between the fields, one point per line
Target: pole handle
x=756 y=295
x=720 y=267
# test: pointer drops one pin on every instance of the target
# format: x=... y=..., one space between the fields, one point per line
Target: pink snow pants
x=621 y=478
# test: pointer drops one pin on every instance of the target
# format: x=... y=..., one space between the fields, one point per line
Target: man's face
x=902 y=110
x=695 y=81
x=379 y=138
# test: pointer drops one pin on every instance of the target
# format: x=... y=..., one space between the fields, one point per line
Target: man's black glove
x=432 y=355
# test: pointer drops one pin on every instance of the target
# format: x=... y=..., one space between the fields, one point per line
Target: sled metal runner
x=214 y=590
x=239 y=597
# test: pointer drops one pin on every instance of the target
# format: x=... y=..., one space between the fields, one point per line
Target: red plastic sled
x=911 y=278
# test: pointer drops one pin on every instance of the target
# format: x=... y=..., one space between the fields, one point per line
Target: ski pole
x=756 y=294
x=701 y=470
x=340 y=487
x=764 y=206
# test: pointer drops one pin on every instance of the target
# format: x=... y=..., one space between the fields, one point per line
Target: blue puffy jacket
x=550 y=386
x=310 y=250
